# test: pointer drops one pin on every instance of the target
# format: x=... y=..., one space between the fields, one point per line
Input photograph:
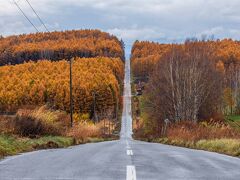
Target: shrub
x=54 y=122
x=40 y=121
x=28 y=126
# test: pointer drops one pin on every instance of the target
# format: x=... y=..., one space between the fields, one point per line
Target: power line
x=41 y=21
x=25 y=15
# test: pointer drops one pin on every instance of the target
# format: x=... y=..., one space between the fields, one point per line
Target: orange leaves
x=145 y=54
x=59 y=45
x=48 y=82
x=228 y=50
x=144 y=57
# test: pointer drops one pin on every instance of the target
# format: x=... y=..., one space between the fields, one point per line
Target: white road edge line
x=131 y=173
x=129 y=152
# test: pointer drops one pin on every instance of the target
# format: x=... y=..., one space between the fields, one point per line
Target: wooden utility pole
x=94 y=107
x=71 y=98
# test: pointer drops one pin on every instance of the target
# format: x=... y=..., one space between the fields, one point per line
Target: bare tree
x=182 y=81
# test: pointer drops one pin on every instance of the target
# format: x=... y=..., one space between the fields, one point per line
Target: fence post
x=166 y=122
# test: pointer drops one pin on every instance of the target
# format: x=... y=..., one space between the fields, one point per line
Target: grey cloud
x=159 y=20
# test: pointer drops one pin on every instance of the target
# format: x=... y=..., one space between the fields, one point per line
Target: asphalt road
x=122 y=159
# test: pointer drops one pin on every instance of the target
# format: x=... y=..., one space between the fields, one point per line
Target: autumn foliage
x=146 y=54
x=59 y=45
x=194 y=81
x=144 y=57
x=96 y=82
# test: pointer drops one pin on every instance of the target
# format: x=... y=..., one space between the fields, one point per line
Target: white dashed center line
x=131 y=173
x=129 y=152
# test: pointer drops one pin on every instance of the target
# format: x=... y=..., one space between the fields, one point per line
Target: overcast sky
x=155 y=20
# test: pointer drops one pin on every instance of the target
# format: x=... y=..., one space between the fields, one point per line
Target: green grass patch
x=11 y=145
x=224 y=146
x=95 y=140
x=233 y=117
x=50 y=141
x=233 y=121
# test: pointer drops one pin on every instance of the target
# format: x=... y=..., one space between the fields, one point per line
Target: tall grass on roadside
x=209 y=136
x=188 y=131
x=43 y=128
x=82 y=131
x=225 y=146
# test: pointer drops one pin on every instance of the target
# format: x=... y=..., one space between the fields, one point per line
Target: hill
x=59 y=45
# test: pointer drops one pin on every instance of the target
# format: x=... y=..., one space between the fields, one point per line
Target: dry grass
x=35 y=122
x=82 y=131
x=211 y=136
x=40 y=128
x=6 y=124
x=42 y=121
x=188 y=131
x=54 y=122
